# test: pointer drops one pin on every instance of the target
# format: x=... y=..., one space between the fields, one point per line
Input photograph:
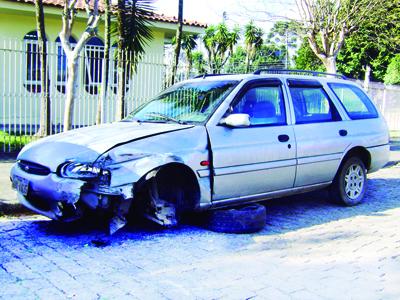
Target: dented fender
x=130 y=162
x=131 y=171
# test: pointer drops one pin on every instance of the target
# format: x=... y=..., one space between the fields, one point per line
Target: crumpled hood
x=86 y=144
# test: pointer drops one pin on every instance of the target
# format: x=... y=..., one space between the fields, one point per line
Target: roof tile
x=80 y=4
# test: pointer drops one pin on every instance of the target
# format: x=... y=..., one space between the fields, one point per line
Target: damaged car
x=210 y=142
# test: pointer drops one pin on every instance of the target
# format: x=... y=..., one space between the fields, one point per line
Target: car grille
x=33 y=168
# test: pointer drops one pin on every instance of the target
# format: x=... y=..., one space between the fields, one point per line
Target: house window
x=32 y=73
x=62 y=64
x=94 y=54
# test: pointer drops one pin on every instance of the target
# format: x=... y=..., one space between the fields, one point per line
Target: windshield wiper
x=164 y=117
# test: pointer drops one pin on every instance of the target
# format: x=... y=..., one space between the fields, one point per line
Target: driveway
x=310 y=249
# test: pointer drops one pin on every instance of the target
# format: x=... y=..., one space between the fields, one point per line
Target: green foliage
x=237 y=61
x=282 y=31
x=198 y=62
x=14 y=142
x=253 y=39
x=132 y=29
x=393 y=71
x=219 y=42
x=375 y=43
x=268 y=56
x=306 y=59
x=188 y=44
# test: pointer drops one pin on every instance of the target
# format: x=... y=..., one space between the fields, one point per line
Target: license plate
x=20 y=184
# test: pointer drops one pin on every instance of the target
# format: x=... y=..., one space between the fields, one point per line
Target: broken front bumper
x=49 y=195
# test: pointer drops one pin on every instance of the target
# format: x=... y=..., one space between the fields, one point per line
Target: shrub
x=393 y=71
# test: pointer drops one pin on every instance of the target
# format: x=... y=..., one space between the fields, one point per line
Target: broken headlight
x=79 y=170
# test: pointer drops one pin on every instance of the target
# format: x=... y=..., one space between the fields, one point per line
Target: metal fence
x=20 y=89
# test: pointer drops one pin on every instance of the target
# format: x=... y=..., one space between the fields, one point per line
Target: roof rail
x=209 y=75
x=298 y=72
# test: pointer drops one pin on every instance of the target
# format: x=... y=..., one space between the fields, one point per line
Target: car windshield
x=191 y=102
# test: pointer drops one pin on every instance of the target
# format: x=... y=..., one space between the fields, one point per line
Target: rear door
x=319 y=130
x=259 y=158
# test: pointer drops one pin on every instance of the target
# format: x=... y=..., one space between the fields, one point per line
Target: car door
x=319 y=130
x=259 y=158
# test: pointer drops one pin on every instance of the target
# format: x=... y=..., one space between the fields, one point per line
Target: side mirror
x=236 y=120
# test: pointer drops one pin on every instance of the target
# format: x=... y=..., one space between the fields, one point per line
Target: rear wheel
x=350 y=183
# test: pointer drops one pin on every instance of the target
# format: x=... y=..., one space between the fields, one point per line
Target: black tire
x=246 y=219
x=350 y=183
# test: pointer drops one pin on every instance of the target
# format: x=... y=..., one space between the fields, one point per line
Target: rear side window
x=312 y=105
x=355 y=101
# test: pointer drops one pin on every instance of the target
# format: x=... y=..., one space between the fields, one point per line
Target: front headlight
x=79 y=170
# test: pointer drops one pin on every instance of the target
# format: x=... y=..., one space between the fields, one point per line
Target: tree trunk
x=122 y=64
x=189 y=65
x=100 y=115
x=44 y=128
x=73 y=55
x=178 y=43
x=71 y=89
x=367 y=77
x=247 y=61
x=189 y=68
x=330 y=64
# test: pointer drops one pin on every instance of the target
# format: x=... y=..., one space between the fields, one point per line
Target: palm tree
x=178 y=40
x=253 y=42
x=44 y=128
x=132 y=32
x=219 y=42
x=199 y=62
x=189 y=43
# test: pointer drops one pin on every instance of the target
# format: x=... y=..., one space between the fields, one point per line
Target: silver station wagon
x=211 y=142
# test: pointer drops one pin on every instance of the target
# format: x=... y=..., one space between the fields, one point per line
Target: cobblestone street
x=310 y=249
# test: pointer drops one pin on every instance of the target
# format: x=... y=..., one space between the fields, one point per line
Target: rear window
x=355 y=101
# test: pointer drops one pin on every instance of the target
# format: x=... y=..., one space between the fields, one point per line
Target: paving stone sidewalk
x=310 y=249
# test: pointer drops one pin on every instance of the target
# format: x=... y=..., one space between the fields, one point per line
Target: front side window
x=312 y=105
x=354 y=100
x=191 y=102
x=264 y=105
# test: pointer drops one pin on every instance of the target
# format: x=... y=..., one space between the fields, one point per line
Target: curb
x=9 y=209
x=8 y=157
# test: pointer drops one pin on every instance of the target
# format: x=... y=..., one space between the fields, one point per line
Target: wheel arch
x=361 y=152
x=176 y=172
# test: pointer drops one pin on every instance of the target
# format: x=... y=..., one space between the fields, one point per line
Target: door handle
x=343 y=132
x=283 y=138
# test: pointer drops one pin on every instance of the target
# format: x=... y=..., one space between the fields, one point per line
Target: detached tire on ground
x=245 y=219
